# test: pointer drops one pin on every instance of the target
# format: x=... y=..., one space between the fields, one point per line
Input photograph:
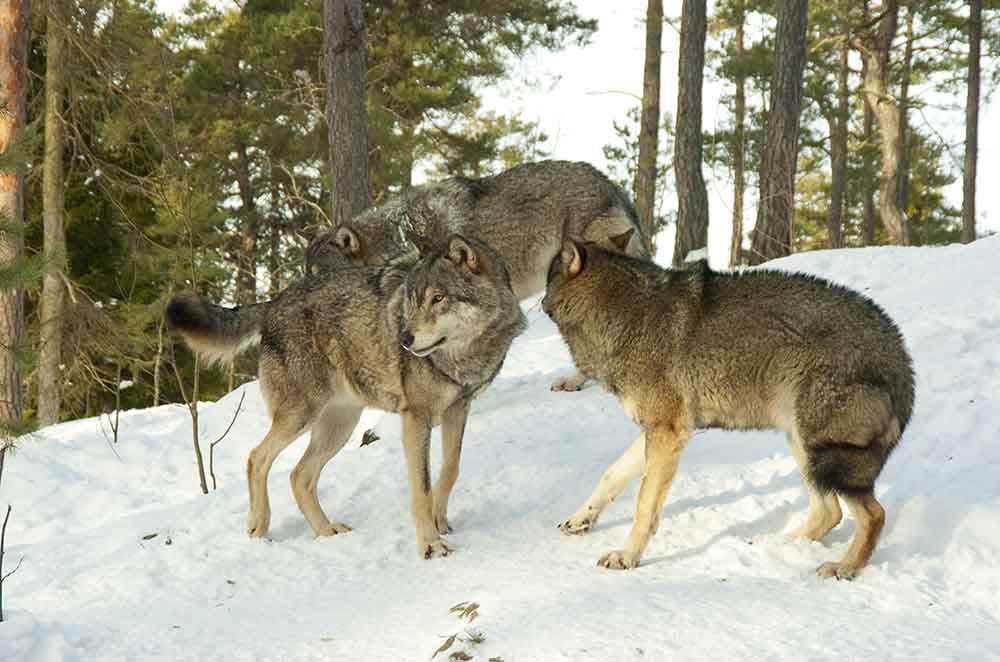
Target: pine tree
x=345 y=109
x=772 y=232
x=971 y=122
x=649 y=122
x=52 y=306
x=13 y=111
x=692 y=198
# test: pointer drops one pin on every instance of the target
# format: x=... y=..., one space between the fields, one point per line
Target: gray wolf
x=419 y=338
x=692 y=348
x=525 y=213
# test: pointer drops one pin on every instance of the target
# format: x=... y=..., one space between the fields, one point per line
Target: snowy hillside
x=718 y=581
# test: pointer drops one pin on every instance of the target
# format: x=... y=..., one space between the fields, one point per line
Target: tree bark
x=649 y=121
x=875 y=51
x=692 y=199
x=53 y=299
x=772 y=233
x=902 y=191
x=867 y=129
x=838 y=156
x=739 y=139
x=274 y=256
x=246 y=277
x=344 y=30
x=971 y=123
x=13 y=112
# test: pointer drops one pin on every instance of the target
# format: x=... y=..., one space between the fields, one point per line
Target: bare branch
x=211 y=447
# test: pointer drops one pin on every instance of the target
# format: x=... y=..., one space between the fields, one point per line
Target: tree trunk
x=13 y=101
x=739 y=149
x=692 y=199
x=971 y=123
x=904 y=107
x=875 y=51
x=649 y=121
x=344 y=31
x=772 y=233
x=246 y=277
x=274 y=256
x=158 y=361
x=838 y=157
x=53 y=299
x=868 y=125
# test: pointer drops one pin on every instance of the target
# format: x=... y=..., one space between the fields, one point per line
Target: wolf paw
x=257 y=526
x=577 y=525
x=434 y=549
x=838 y=570
x=333 y=528
x=619 y=559
x=572 y=382
x=442 y=525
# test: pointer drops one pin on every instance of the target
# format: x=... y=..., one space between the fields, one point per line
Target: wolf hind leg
x=869 y=517
x=824 y=507
x=330 y=432
x=286 y=426
x=623 y=471
x=847 y=433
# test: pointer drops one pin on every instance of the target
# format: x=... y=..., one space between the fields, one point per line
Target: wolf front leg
x=664 y=444
x=452 y=432
x=616 y=478
x=416 y=446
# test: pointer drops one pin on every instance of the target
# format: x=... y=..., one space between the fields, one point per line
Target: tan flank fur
x=421 y=338
x=525 y=213
x=693 y=348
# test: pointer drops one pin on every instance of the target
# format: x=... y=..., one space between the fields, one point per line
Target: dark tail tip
x=187 y=313
x=845 y=468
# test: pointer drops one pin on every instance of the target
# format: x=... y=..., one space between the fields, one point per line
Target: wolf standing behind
x=524 y=213
x=421 y=339
x=683 y=349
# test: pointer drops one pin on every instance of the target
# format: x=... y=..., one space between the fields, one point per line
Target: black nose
x=406 y=339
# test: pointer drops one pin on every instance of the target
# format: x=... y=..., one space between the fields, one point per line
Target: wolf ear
x=461 y=253
x=347 y=241
x=619 y=242
x=572 y=257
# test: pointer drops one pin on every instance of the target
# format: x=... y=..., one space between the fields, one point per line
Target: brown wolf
x=525 y=213
x=420 y=339
x=692 y=348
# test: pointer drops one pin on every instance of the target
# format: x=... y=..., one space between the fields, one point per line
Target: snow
x=718 y=580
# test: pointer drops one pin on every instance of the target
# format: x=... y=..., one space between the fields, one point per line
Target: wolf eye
x=436 y=299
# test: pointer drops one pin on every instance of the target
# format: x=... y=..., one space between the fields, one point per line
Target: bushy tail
x=845 y=468
x=214 y=333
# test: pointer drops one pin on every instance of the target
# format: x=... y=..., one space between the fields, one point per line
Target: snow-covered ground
x=718 y=581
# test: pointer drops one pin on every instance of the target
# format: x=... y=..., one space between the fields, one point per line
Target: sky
x=575 y=96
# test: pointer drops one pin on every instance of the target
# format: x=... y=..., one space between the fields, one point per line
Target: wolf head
x=457 y=294
x=406 y=225
x=349 y=246
x=571 y=262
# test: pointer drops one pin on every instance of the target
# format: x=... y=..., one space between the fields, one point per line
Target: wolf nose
x=406 y=339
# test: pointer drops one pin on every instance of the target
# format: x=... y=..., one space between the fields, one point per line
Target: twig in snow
x=3 y=577
x=211 y=447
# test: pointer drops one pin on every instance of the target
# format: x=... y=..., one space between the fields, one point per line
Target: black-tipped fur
x=215 y=333
x=845 y=468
